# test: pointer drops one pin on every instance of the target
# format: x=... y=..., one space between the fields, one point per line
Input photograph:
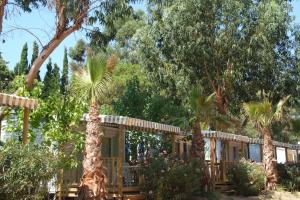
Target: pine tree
x=65 y=72
x=35 y=53
x=22 y=67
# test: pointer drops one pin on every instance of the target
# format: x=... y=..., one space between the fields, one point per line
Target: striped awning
x=148 y=126
x=139 y=124
x=246 y=139
x=17 y=101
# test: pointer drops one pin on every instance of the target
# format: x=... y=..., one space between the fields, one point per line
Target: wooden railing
x=131 y=178
x=220 y=170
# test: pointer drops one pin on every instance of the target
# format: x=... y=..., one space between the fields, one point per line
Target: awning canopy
x=148 y=126
x=246 y=139
x=17 y=101
x=139 y=124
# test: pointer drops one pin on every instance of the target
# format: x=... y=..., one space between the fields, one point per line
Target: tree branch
x=2 y=6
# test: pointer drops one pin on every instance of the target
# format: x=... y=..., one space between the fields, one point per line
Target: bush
x=247 y=178
x=167 y=178
x=25 y=171
x=289 y=176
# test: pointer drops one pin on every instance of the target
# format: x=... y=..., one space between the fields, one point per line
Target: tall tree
x=5 y=75
x=22 y=67
x=263 y=115
x=65 y=74
x=56 y=79
x=228 y=46
x=91 y=83
x=35 y=54
x=51 y=81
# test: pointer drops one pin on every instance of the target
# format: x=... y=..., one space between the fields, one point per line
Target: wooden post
x=223 y=166
x=286 y=155
x=261 y=153
x=173 y=145
x=121 y=145
x=213 y=159
x=243 y=150
x=60 y=184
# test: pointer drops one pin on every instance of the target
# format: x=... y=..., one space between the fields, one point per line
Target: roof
x=148 y=126
x=17 y=101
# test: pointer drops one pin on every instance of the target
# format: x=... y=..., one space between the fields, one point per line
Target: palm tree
x=203 y=108
x=262 y=114
x=91 y=83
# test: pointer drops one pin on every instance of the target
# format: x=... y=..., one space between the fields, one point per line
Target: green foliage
x=78 y=52
x=22 y=67
x=35 y=53
x=264 y=114
x=167 y=178
x=58 y=118
x=235 y=48
x=15 y=123
x=25 y=171
x=133 y=101
x=153 y=143
x=6 y=75
x=247 y=178
x=27 y=5
x=289 y=176
x=114 y=14
x=51 y=81
x=65 y=74
x=92 y=82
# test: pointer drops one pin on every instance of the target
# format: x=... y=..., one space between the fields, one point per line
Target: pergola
x=11 y=100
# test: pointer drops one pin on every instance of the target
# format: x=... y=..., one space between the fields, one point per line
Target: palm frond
x=279 y=112
x=96 y=67
x=259 y=112
x=92 y=82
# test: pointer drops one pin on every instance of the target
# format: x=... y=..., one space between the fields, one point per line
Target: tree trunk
x=2 y=6
x=198 y=151
x=25 y=125
x=0 y=127
x=269 y=159
x=93 y=180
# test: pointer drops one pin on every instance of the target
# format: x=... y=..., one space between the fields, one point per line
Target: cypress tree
x=48 y=79
x=65 y=72
x=35 y=53
x=22 y=67
x=56 y=80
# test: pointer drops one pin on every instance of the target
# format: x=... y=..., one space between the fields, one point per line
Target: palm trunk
x=198 y=142
x=198 y=151
x=93 y=179
x=269 y=159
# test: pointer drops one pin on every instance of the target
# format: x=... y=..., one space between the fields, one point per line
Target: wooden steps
x=223 y=187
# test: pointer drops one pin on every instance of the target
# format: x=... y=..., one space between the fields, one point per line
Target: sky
x=41 y=23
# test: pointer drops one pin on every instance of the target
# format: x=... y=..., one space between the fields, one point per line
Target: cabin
x=222 y=150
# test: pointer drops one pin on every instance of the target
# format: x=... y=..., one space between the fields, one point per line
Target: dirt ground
x=272 y=196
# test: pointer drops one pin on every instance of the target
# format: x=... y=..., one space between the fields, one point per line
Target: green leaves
x=263 y=113
x=24 y=170
x=91 y=82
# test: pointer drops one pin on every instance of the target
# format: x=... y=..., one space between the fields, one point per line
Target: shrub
x=289 y=176
x=167 y=178
x=24 y=171
x=247 y=178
